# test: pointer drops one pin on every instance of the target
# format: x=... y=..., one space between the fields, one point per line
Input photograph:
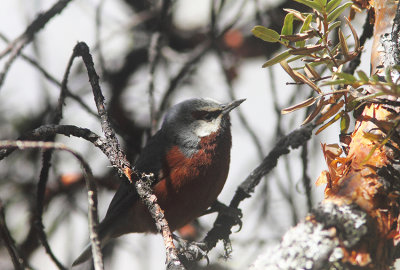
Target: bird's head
x=189 y=121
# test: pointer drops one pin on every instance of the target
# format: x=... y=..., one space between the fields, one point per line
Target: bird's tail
x=87 y=253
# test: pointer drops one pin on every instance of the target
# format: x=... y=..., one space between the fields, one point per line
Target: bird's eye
x=211 y=115
x=206 y=115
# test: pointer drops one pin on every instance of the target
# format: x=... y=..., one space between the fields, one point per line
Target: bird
x=189 y=157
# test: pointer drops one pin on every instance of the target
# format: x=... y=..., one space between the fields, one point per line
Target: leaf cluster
x=321 y=60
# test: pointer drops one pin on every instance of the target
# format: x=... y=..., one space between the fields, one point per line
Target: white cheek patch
x=206 y=128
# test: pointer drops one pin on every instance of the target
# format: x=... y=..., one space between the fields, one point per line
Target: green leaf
x=333 y=120
x=304 y=27
x=297 y=57
x=287 y=28
x=265 y=33
x=311 y=4
x=346 y=76
x=334 y=25
x=334 y=82
x=375 y=78
x=363 y=77
x=388 y=75
x=332 y=5
x=337 y=11
x=280 y=57
x=321 y=3
x=344 y=123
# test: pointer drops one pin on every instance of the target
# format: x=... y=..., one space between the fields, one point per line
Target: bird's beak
x=226 y=108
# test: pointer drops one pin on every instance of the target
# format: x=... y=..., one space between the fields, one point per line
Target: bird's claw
x=233 y=213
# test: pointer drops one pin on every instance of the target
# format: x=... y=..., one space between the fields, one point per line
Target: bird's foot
x=190 y=250
x=235 y=214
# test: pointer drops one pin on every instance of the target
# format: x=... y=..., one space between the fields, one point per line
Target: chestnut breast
x=189 y=185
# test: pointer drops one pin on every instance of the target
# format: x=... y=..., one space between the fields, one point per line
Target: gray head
x=187 y=122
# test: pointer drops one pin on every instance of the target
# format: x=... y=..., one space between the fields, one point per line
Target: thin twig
x=198 y=54
x=99 y=44
x=18 y=261
x=15 y=47
x=306 y=178
x=90 y=184
x=44 y=172
x=154 y=55
x=47 y=131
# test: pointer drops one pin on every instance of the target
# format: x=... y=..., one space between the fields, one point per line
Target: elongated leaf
x=344 y=123
x=307 y=49
x=310 y=4
x=265 y=33
x=306 y=80
x=314 y=74
x=333 y=120
x=388 y=75
x=289 y=70
x=343 y=44
x=303 y=104
x=294 y=58
x=314 y=113
x=280 y=57
x=334 y=82
x=321 y=3
x=375 y=78
x=299 y=37
x=337 y=11
x=331 y=111
x=363 y=77
x=332 y=5
x=305 y=27
x=287 y=28
x=355 y=36
x=297 y=14
x=306 y=24
x=346 y=76
x=334 y=25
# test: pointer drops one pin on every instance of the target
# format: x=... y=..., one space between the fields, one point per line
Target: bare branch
x=15 y=47
x=90 y=184
x=18 y=261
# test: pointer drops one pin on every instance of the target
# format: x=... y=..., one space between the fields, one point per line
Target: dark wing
x=150 y=160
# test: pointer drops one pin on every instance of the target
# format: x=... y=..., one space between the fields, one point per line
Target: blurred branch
x=306 y=178
x=15 y=47
x=154 y=57
x=18 y=261
x=51 y=130
x=90 y=184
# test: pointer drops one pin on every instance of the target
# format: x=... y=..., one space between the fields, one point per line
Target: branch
x=15 y=47
x=224 y=223
x=118 y=159
x=90 y=184
x=18 y=261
